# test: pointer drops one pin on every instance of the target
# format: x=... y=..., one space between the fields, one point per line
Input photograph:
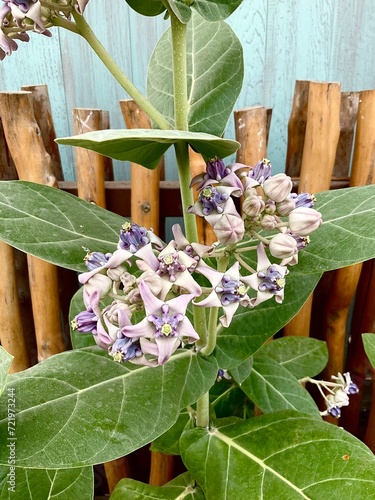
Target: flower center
x=211 y=198
x=166 y=324
x=230 y=290
x=272 y=280
x=170 y=264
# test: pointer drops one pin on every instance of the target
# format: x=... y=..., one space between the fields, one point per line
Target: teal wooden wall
x=283 y=40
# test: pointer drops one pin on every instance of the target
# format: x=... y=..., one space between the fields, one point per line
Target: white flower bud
x=278 y=187
x=285 y=207
x=303 y=221
x=253 y=205
x=283 y=246
x=269 y=222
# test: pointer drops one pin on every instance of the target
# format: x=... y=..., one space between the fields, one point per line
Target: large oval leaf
x=273 y=388
x=81 y=408
x=302 y=356
x=54 y=225
x=285 y=455
x=146 y=147
x=215 y=10
x=214 y=70
x=38 y=484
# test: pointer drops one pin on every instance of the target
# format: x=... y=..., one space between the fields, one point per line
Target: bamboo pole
x=318 y=159
x=34 y=164
x=144 y=182
x=91 y=172
x=12 y=334
x=90 y=166
x=252 y=129
x=43 y=116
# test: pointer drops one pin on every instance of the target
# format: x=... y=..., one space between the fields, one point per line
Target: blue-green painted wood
x=284 y=40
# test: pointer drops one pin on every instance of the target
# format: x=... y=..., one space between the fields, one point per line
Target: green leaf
x=5 y=362
x=80 y=408
x=369 y=345
x=146 y=147
x=273 y=388
x=147 y=7
x=242 y=371
x=302 y=356
x=54 y=225
x=346 y=235
x=227 y=399
x=169 y=442
x=215 y=10
x=278 y=456
x=181 y=10
x=215 y=73
x=182 y=487
x=38 y=484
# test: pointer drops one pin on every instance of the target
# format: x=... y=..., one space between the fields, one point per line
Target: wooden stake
x=145 y=182
x=348 y=118
x=34 y=164
x=161 y=468
x=319 y=153
x=252 y=128
x=90 y=166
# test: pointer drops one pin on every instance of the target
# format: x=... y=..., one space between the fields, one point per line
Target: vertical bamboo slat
x=34 y=164
x=12 y=335
x=348 y=118
x=144 y=182
x=90 y=166
x=252 y=128
x=318 y=159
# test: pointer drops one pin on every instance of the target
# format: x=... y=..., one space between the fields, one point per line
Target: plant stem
x=202 y=418
x=86 y=32
x=179 y=73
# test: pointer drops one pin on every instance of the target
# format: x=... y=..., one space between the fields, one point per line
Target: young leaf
x=215 y=73
x=146 y=147
x=182 y=487
x=54 y=225
x=282 y=455
x=302 y=356
x=273 y=388
x=369 y=345
x=37 y=484
x=147 y=7
x=5 y=362
x=215 y=10
x=81 y=408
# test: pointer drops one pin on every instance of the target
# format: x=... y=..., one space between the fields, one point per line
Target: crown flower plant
x=179 y=343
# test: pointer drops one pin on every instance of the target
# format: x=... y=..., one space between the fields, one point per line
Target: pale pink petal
x=167 y=346
x=142 y=329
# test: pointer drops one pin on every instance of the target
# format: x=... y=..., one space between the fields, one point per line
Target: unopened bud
x=303 y=221
x=278 y=187
x=285 y=207
x=253 y=205
x=283 y=246
x=229 y=229
x=269 y=222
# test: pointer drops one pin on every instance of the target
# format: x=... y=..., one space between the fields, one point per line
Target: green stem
x=179 y=73
x=203 y=411
x=86 y=32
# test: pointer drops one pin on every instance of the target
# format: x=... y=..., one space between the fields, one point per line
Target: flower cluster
x=335 y=394
x=141 y=316
x=17 y=17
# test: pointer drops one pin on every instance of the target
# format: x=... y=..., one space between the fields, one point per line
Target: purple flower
x=171 y=267
x=213 y=200
x=93 y=260
x=269 y=280
x=164 y=326
x=303 y=200
x=134 y=237
x=229 y=290
x=193 y=250
x=217 y=172
x=87 y=321
x=258 y=174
